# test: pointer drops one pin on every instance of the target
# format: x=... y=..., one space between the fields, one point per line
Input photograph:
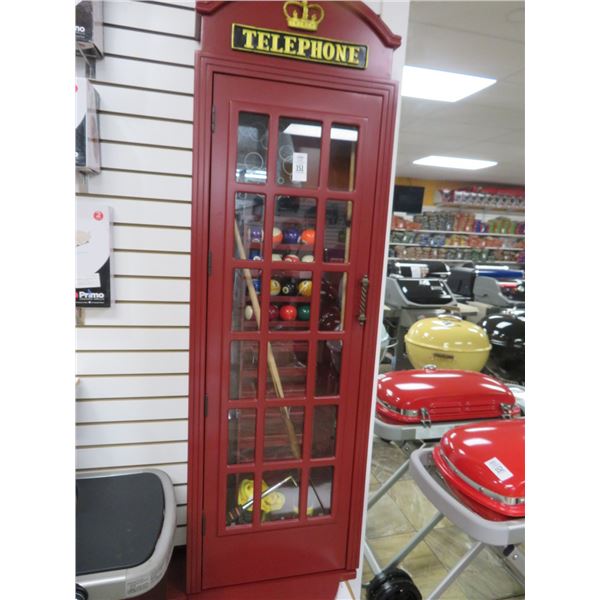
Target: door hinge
x=213 y=118
x=210 y=262
x=203 y=524
x=205 y=405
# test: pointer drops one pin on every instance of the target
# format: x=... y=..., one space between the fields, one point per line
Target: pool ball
x=277 y=235
x=275 y=287
x=289 y=288
x=276 y=257
x=305 y=288
x=273 y=312
x=248 y=313
x=288 y=312
x=255 y=254
x=291 y=235
x=256 y=234
x=308 y=236
x=308 y=258
x=256 y=284
x=304 y=312
x=291 y=258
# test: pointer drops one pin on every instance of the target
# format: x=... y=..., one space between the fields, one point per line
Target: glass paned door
x=291 y=207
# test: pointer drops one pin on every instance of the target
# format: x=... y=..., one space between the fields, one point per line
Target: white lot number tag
x=299 y=166
x=498 y=469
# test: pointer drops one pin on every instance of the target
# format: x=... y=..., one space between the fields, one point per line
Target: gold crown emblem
x=312 y=14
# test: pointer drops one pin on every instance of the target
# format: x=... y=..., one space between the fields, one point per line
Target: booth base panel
x=316 y=587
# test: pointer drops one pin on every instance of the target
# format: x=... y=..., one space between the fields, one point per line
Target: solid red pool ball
x=273 y=312
x=288 y=312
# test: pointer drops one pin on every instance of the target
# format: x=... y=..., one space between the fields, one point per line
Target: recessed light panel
x=444 y=86
x=452 y=162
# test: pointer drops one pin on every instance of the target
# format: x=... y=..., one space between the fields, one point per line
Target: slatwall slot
x=151 y=290
x=151 y=265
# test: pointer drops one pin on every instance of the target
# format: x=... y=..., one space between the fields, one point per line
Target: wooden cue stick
x=285 y=413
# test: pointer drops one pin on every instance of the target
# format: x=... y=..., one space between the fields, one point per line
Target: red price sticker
x=98 y=215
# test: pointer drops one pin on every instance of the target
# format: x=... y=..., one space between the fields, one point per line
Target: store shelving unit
x=480 y=202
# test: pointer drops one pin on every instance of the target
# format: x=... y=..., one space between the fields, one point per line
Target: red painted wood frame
x=333 y=540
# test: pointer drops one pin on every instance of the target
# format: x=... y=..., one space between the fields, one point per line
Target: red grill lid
x=447 y=395
x=486 y=462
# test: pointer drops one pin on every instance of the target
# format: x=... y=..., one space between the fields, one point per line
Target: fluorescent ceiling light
x=347 y=135
x=440 y=85
x=452 y=162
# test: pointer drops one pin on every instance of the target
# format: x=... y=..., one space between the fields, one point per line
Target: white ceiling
x=482 y=38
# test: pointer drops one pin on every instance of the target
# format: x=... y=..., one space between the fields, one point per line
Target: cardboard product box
x=89 y=36
x=93 y=248
x=87 y=136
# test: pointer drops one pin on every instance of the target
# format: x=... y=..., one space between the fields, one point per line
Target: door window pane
x=332 y=301
x=243 y=375
x=283 y=432
x=294 y=232
x=253 y=140
x=324 y=431
x=248 y=228
x=239 y=491
x=281 y=492
x=338 y=218
x=342 y=157
x=286 y=372
x=247 y=284
x=241 y=424
x=319 y=491
x=291 y=293
x=299 y=153
x=329 y=363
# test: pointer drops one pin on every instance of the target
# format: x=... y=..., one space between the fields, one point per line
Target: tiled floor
x=393 y=521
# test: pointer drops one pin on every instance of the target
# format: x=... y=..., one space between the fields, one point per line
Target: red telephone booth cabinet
x=294 y=120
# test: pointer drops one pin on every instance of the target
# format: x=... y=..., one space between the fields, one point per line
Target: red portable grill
x=484 y=464
x=437 y=395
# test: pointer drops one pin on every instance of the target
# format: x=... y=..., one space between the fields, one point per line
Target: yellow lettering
x=316 y=49
x=328 y=50
x=263 y=38
x=275 y=43
x=289 y=47
x=340 y=53
x=249 y=35
x=353 y=56
x=303 y=45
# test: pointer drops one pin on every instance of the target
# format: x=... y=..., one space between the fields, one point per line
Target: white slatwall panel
x=119 y=128
x=166 y=315
x=153 y=290
x=145 y=158
x=126 y=237
x=133 y=358
x=144 y=103
x=146 y=212
x=124 y=338
x=103 y=411
x=138 y=185
x=123 y=363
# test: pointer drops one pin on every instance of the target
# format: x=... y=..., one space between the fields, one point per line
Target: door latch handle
x=364 y=288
